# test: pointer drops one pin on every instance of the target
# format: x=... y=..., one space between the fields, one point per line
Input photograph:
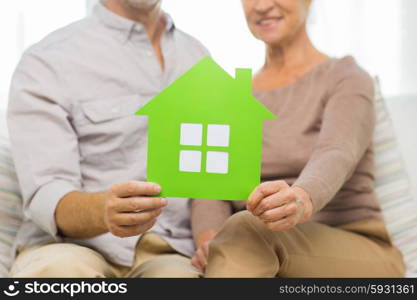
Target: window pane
x=190 y=161
x=217 y=162
x=191 y=134
x=218 y=135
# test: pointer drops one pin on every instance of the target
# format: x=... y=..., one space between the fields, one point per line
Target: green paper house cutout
x=205 y=135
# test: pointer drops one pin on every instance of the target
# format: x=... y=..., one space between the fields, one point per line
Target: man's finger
x=132 y=219
x=135 y=188
x=128 y=231
x=137 y=204
x=264 y=190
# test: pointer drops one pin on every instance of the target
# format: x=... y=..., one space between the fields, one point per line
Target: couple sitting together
x=81 y=155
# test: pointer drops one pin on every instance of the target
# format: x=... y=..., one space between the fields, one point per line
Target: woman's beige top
x=321 y=142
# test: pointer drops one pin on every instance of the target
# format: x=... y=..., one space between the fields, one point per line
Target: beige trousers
x=154 y=258
x=246 y=248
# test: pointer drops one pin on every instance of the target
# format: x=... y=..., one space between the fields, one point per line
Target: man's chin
x=144 y=4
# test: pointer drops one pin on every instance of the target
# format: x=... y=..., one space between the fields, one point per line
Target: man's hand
x=199 y=260
x=128 y=209
x=280 y=206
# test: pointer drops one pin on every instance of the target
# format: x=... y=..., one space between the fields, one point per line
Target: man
x=80 y=151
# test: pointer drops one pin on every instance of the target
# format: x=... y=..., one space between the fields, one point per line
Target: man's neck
x=153 y=19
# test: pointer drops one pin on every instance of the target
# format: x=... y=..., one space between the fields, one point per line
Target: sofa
x=395 y=183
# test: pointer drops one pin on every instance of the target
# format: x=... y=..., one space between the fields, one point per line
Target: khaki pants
x=154 y=258
x=246 y=248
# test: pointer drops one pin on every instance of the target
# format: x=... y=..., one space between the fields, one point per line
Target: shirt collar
x=124 y=26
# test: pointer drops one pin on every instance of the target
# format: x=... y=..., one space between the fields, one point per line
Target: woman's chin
x=271 y=40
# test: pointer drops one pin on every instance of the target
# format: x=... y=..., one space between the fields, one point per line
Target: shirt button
x=115 y=110
x=149 y=53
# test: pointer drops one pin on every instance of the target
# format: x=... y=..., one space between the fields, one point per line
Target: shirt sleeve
x=346 y=133
x=44 y=144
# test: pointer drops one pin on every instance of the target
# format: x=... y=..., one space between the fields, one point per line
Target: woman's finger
x=264 y=190
x=196 y=263
x=201 y=257
x=283 y=224
x=281 y=198
x=279 y=213
x=205 y=248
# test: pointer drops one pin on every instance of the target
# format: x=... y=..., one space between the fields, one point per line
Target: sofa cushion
x=10 y=203
x=393 y=187
x=402 y=110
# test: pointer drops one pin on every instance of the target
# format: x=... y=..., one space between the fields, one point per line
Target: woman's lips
x=269 y=23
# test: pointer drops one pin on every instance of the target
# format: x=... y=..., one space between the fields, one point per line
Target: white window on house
x=216 y=161
x=191 y=134
x=218 y=135
x=190 y=161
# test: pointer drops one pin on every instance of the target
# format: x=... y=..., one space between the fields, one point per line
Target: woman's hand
x=280 y=206
x=199 y=260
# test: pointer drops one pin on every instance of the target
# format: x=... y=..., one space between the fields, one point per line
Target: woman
x=315 y=214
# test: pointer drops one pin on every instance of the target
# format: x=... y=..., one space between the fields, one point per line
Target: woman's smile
x=268 y=23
